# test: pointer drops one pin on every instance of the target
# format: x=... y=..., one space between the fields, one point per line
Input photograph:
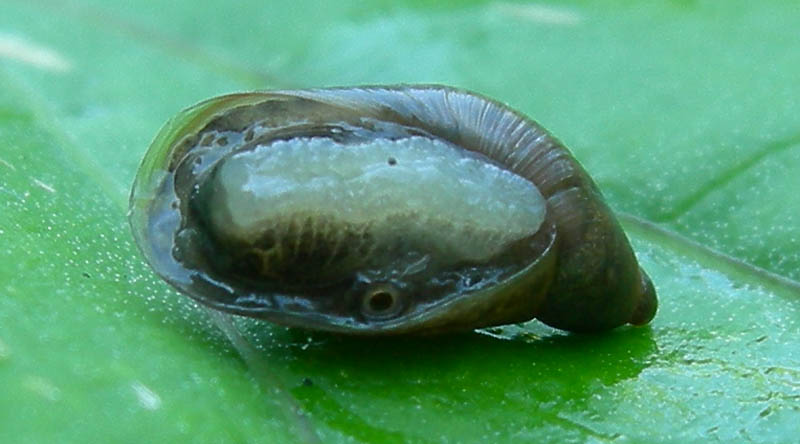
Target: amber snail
x=382 y=210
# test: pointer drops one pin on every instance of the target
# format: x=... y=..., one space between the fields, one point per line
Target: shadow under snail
x=382 y=210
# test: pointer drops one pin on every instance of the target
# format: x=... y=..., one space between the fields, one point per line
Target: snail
x=382 y=210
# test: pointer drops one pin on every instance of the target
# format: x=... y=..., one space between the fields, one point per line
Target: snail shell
x=382 y=210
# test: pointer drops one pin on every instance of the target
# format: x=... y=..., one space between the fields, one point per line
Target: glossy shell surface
x=382 y=210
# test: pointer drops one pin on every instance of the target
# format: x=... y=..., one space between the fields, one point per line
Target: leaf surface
x=686 y=114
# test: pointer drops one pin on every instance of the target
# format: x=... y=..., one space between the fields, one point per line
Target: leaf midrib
x=709 y=257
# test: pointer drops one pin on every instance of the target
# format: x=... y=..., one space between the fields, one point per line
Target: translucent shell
x=382 y=210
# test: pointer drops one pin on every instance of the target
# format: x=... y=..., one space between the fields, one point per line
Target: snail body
x=382 y=210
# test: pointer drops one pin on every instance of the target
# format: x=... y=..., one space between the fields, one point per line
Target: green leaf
x=686 y=114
